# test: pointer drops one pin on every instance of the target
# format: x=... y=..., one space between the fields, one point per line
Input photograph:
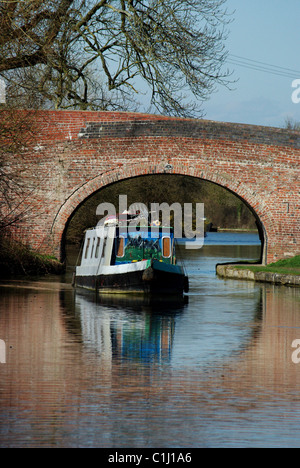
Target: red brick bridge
x=77 y=153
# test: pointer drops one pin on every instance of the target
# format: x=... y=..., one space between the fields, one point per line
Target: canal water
x=217 y=370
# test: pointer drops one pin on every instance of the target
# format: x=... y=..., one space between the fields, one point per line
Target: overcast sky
x=264 y=48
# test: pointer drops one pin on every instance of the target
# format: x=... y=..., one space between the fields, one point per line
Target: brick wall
x=76 y=153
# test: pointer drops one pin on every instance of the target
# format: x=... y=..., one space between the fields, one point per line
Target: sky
x=264 y=55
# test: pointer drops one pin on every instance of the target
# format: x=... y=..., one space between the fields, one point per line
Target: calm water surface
x=216 y=371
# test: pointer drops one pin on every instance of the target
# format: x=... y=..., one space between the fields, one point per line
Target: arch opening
x=224 y=208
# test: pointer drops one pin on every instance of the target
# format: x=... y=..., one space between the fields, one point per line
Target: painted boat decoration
x=142 y=261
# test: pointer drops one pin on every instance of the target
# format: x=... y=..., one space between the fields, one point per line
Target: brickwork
x=77 y=153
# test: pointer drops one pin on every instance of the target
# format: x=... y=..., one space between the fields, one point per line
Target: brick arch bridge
x=77 y=153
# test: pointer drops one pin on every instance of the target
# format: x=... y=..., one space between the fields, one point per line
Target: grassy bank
x=284 y=272
x=289 y=266
x=18 y=260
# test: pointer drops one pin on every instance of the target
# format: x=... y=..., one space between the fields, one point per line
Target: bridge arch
x=78 y=197
x=76 y=153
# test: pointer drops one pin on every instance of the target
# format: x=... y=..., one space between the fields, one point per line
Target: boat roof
x=134 y=228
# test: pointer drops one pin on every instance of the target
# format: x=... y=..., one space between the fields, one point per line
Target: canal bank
x=284 y=272
x=18 y=260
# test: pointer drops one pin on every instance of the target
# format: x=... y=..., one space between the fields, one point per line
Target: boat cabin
x=120 y=259
x=113 y=245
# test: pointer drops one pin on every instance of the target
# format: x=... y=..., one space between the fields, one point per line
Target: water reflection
x=137 y=328
x=216 y=372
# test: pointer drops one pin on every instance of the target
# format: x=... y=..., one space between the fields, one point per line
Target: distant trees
x=222 y=208
x=291 y=124
x=99 y=54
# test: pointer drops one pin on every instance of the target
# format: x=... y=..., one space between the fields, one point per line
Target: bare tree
x=17 y=133
x=291 y=124
x=99 y=54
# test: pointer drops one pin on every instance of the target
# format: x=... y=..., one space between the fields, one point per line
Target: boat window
x=166 y=247
x=104 y=247
x=92 y=252
x=97 y=248
x=121 y=247
x=87 y=248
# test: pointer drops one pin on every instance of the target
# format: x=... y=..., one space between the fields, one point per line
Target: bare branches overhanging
x=101 y=54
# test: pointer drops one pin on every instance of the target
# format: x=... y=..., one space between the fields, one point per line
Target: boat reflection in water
x=128 y=328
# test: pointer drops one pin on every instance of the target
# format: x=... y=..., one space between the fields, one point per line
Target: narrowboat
x=120 y=260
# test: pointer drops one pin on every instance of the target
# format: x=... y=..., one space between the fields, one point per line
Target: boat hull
x=155 y=279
